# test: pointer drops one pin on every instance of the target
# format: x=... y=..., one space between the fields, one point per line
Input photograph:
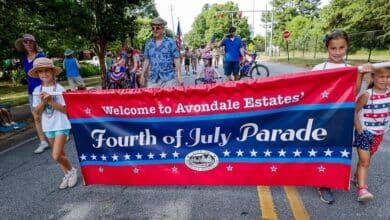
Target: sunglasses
x=28 y=42
x=156 y=28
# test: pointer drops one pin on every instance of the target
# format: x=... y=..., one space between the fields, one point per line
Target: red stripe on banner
x=274 y=174
x=228 y=97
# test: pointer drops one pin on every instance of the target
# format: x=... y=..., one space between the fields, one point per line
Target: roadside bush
x=87 y=70
x=18 y=77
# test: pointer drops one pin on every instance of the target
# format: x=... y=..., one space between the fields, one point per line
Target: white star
x=150 y=156
x=321 y=169
x=267 y=153
x=103 y=157
x=139 y=156
x=135 y=170
x=282 y=153
x=324 y=94
x=87 y=110
x=175 y=154
x=328 y=153
x=101 y=170
x=83 y=157
x=297 y=153
x=93 y=156
x=240 y=153
x=273 y=169
x=127 y=156
x=253 y=153
x=229 y=168
x=163 y=155
x=226 y=153
x=174 y=169
x=345 y=153
x=114 y=157
x=312 y=153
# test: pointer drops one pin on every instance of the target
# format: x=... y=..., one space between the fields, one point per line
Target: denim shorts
x=230 y=67
x=53 y=134
x=367 y=141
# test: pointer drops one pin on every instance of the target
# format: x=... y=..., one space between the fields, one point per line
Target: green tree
x=357 y=17
x=215 y=20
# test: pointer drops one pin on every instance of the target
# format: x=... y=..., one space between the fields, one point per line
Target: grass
x=307 y=60
x=17 y=95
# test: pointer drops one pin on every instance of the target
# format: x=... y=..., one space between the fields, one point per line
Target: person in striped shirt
x=372 y=115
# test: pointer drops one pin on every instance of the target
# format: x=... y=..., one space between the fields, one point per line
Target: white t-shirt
x=52 y=120
x=327 y=65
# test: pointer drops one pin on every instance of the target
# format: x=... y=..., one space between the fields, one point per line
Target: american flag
x=178 y=36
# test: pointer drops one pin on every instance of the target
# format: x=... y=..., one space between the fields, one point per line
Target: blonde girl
x=55 y=123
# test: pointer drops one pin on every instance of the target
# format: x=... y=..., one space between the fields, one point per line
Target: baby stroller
x=119 y=78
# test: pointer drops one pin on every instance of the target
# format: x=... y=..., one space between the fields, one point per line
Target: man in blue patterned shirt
x=163 y=57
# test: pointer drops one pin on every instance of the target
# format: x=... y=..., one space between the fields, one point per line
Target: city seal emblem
x=201 y=160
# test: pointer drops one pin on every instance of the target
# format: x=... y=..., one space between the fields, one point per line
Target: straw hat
x=68 y=52
x=19 y=42
x=43 y=62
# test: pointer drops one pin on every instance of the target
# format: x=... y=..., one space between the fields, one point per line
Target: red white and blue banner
x=292 y=129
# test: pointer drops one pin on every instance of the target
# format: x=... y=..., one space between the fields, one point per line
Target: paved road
x=29 y=190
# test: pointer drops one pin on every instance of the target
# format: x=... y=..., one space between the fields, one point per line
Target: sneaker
x=72 y=177
x=364 y=195
x=42 y=147
x=13 y=123
x=7 y=124
x=326 y=195
x=65 y=180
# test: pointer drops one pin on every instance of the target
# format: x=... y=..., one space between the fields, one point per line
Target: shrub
x=88 y=70
x=18 y=77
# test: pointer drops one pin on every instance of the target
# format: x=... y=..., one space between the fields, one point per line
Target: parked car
x=94 y=61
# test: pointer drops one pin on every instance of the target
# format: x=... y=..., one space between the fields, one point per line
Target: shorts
x=53 y=134
x=367 y=141
x=230 y=67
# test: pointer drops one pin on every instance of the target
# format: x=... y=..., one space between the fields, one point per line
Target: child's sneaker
x=72 y=177
x=41 y=147
x=65 y=180
x=364 y=195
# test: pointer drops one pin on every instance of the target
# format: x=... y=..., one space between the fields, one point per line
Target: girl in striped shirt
x=372 y=115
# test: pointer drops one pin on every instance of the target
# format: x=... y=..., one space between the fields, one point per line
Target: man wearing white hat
x=163 y=57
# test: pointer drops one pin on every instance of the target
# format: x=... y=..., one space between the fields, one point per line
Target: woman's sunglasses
x=28 y=42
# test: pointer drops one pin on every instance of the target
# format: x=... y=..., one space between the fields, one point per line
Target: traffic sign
x=286 y=34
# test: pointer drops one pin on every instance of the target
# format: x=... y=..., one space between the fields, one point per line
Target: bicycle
x=250 y=67
x=119 y=78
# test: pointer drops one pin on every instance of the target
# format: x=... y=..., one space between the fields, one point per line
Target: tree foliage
x=214 y=20
x=81 y=24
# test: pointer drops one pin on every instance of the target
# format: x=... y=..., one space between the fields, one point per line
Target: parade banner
x=293 y=129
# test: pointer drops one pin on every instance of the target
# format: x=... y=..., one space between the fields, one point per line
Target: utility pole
x=266 y=30
x=272 y=27
x=173 y=24
x=253 y=20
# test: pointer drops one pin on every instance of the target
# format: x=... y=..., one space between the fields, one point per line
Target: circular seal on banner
x=201 y=160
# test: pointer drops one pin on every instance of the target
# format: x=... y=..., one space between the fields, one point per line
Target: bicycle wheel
x=260 y=70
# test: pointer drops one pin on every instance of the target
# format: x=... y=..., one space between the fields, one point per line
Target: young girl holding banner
x=55 y=123
x=336 y=45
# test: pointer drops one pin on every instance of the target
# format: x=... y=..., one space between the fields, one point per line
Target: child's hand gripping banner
x=289 y=130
